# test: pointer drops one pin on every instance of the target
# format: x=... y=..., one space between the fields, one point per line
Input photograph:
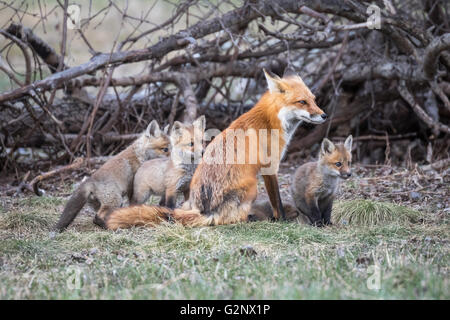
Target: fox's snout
x=345 y=175
x=319 y=113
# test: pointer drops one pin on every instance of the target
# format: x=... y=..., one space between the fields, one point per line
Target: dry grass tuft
x=369 y=213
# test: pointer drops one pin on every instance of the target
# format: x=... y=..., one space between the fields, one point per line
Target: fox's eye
x=165 y=149
x=302 y=101
x=338 y=164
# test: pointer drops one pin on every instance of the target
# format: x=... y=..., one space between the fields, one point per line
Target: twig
x=404 y=92
x=26 y=56
x=382 y=138
x=438 y=165
x=35 y=182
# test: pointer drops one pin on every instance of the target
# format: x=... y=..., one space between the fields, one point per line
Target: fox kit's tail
x=74 y=205
x=143 y=215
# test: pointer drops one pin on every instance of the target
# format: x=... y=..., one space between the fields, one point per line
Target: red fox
x=222 y=192
x=105 y=189
x=167 y=177
x=314 y=184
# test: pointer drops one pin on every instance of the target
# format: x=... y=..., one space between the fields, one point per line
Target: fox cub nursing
x=105 y=189
x=314 y=184
x=167 y=177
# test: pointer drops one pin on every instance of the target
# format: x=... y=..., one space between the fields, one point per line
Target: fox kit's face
x=154 y=143
x=187 y=141
x=336 y=159
x=294 y=101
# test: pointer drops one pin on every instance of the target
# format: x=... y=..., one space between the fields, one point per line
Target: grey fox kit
x=169 y=177
x=105 y=189
x=314 y=184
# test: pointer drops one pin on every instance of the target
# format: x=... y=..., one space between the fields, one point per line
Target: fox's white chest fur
x=289 y=122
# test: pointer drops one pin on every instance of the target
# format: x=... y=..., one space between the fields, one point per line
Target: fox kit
x=262 y=210
x=314 y=184
x=222 y=192
x=169 y=177
x=106 y=187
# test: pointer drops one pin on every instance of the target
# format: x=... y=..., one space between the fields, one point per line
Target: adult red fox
x=167 y=177
x=314 y=184
x=222 y=191
x=105 y=189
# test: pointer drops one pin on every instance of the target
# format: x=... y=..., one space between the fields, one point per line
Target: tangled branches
x=87 y=90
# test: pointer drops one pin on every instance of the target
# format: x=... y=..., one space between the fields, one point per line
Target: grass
x=370 y=213
x=288 y=261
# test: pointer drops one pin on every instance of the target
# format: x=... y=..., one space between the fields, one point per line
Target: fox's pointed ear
x=176 y=128
x=327 y=146
x=290 y=72
x=153 y=129
x=273 y=82
x=200 y=123
x=348 y=143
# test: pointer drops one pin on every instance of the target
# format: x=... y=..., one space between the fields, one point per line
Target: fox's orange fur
x=223 y=193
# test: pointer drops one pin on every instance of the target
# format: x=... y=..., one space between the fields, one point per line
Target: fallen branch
x=76 y=164
x=26 y=55
x=408 y=97
x=432 y=53
x=438 y=165
x=382 y=138
x=239 y=17
x=42 y=49
x=190 y=101
x=34 y=184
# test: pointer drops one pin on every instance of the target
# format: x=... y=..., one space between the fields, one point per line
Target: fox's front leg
x=326 y=211
x=314 y=213
x=162 y=201
x=271 y=183
x=171 y=197
x=186 y=194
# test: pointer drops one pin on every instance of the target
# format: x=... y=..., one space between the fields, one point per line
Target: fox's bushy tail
x=142 y=215
x=74 y=205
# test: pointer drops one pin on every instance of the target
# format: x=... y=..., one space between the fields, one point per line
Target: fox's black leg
x=162 y=201
x=326 y=213
x=314 y=214
x=170 y=201
x=271 y=183
x=186 y=194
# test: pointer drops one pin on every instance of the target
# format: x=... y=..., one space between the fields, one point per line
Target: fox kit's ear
x=153 y=129
x=176 y=128
x=348 y=143
x=327 y=146
x=200 y=123
x=273 y=82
